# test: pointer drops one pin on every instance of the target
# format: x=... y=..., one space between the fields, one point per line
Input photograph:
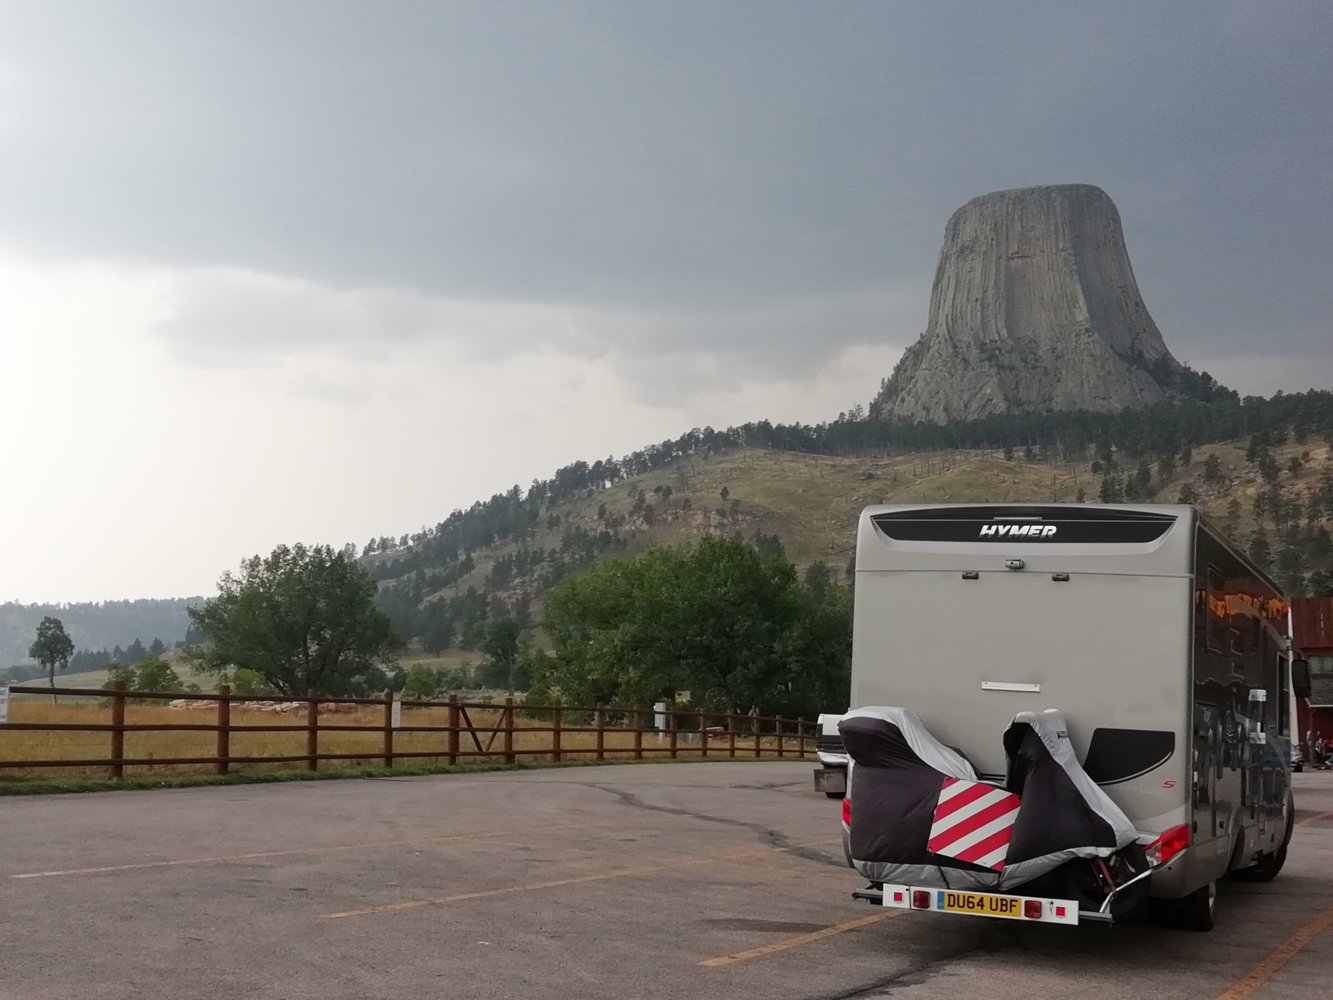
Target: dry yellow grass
x=17 y=745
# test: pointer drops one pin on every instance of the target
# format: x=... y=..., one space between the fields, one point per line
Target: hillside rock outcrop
x=1034 y=308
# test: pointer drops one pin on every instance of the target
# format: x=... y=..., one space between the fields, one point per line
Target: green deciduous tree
x=733 y=628
x=52 y=648
x=304 y=619
x=246 y=682
x=500 y=644
x=422 y=683
x=156 y=674
x=437 y=630
x=119 y=672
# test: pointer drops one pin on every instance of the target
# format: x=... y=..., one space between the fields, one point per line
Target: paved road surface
x=650 y=880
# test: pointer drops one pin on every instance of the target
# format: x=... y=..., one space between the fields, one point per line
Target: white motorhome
x=1165 y=650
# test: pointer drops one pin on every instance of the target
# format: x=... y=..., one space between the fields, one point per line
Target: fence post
x=508 y=720
x=758 y=735
x=555 y=732
x=731 y=734
x=703 y=734
x=601 y=731
x=388 y=729
x=671 y=725
x=311 y=731
x=800 y=732
x=453 y=729
x=118 y=733
x=224 y=727
x=778 y=726
x=638 y=734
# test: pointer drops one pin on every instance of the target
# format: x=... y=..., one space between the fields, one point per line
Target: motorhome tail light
x=1168 y=845
x=847 y=812
x=898 y=896
x=1032 y=909
x=920 y=899
x=1060 y=911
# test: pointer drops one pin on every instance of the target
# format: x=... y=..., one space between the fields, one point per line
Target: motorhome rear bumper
x=1001 y=906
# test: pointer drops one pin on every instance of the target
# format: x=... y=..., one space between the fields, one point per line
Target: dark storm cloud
x=693 y=160
x=228 y=318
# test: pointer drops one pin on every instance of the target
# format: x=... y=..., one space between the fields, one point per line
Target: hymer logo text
x=1012 y=530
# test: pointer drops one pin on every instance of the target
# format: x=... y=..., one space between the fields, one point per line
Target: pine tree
x=1143 y=480
x=1260 y=550
x=1268 y=467
x=1233 y=516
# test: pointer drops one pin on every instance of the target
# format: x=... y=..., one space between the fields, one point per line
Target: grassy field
x=34 y=744
x=99 y=678
x=447 y=659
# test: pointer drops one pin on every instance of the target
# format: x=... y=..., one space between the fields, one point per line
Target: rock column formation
x=1034 y=307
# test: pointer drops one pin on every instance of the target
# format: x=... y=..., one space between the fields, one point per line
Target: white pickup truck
x=831 y=774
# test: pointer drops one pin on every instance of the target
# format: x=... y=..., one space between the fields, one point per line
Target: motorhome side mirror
x=1300 y=678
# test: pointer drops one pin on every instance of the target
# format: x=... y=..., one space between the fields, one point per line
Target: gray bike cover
x=920 y=816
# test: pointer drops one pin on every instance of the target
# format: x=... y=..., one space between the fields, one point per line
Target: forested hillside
x=97 y=629
x=1260 y=467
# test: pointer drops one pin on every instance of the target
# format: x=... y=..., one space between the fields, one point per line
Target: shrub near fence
x=124 y=731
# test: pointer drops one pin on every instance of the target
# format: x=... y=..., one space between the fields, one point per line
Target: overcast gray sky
x=322 y=270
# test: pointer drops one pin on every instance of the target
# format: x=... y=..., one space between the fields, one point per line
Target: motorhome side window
x=1217 y=630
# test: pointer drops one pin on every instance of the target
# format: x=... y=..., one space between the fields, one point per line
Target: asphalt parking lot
x=650 y=880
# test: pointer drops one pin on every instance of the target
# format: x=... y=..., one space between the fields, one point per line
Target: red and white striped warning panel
x=973 y=822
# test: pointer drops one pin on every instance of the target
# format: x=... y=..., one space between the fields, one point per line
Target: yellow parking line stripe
x=1317 y=816
x=798 y=940
x=413 y=904
x=1279 y=957
x=260 y=855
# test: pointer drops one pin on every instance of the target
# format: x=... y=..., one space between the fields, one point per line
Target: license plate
x=979 y=904
x=1030 y=909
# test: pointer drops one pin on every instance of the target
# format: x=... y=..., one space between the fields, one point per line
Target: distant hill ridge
x=94 y=625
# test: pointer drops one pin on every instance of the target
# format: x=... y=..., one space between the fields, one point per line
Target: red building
x=1312 y=632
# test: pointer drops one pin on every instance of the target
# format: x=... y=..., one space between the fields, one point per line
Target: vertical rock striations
x=1034 y=307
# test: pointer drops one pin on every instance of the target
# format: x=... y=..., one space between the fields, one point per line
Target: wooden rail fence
x=470 y=732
